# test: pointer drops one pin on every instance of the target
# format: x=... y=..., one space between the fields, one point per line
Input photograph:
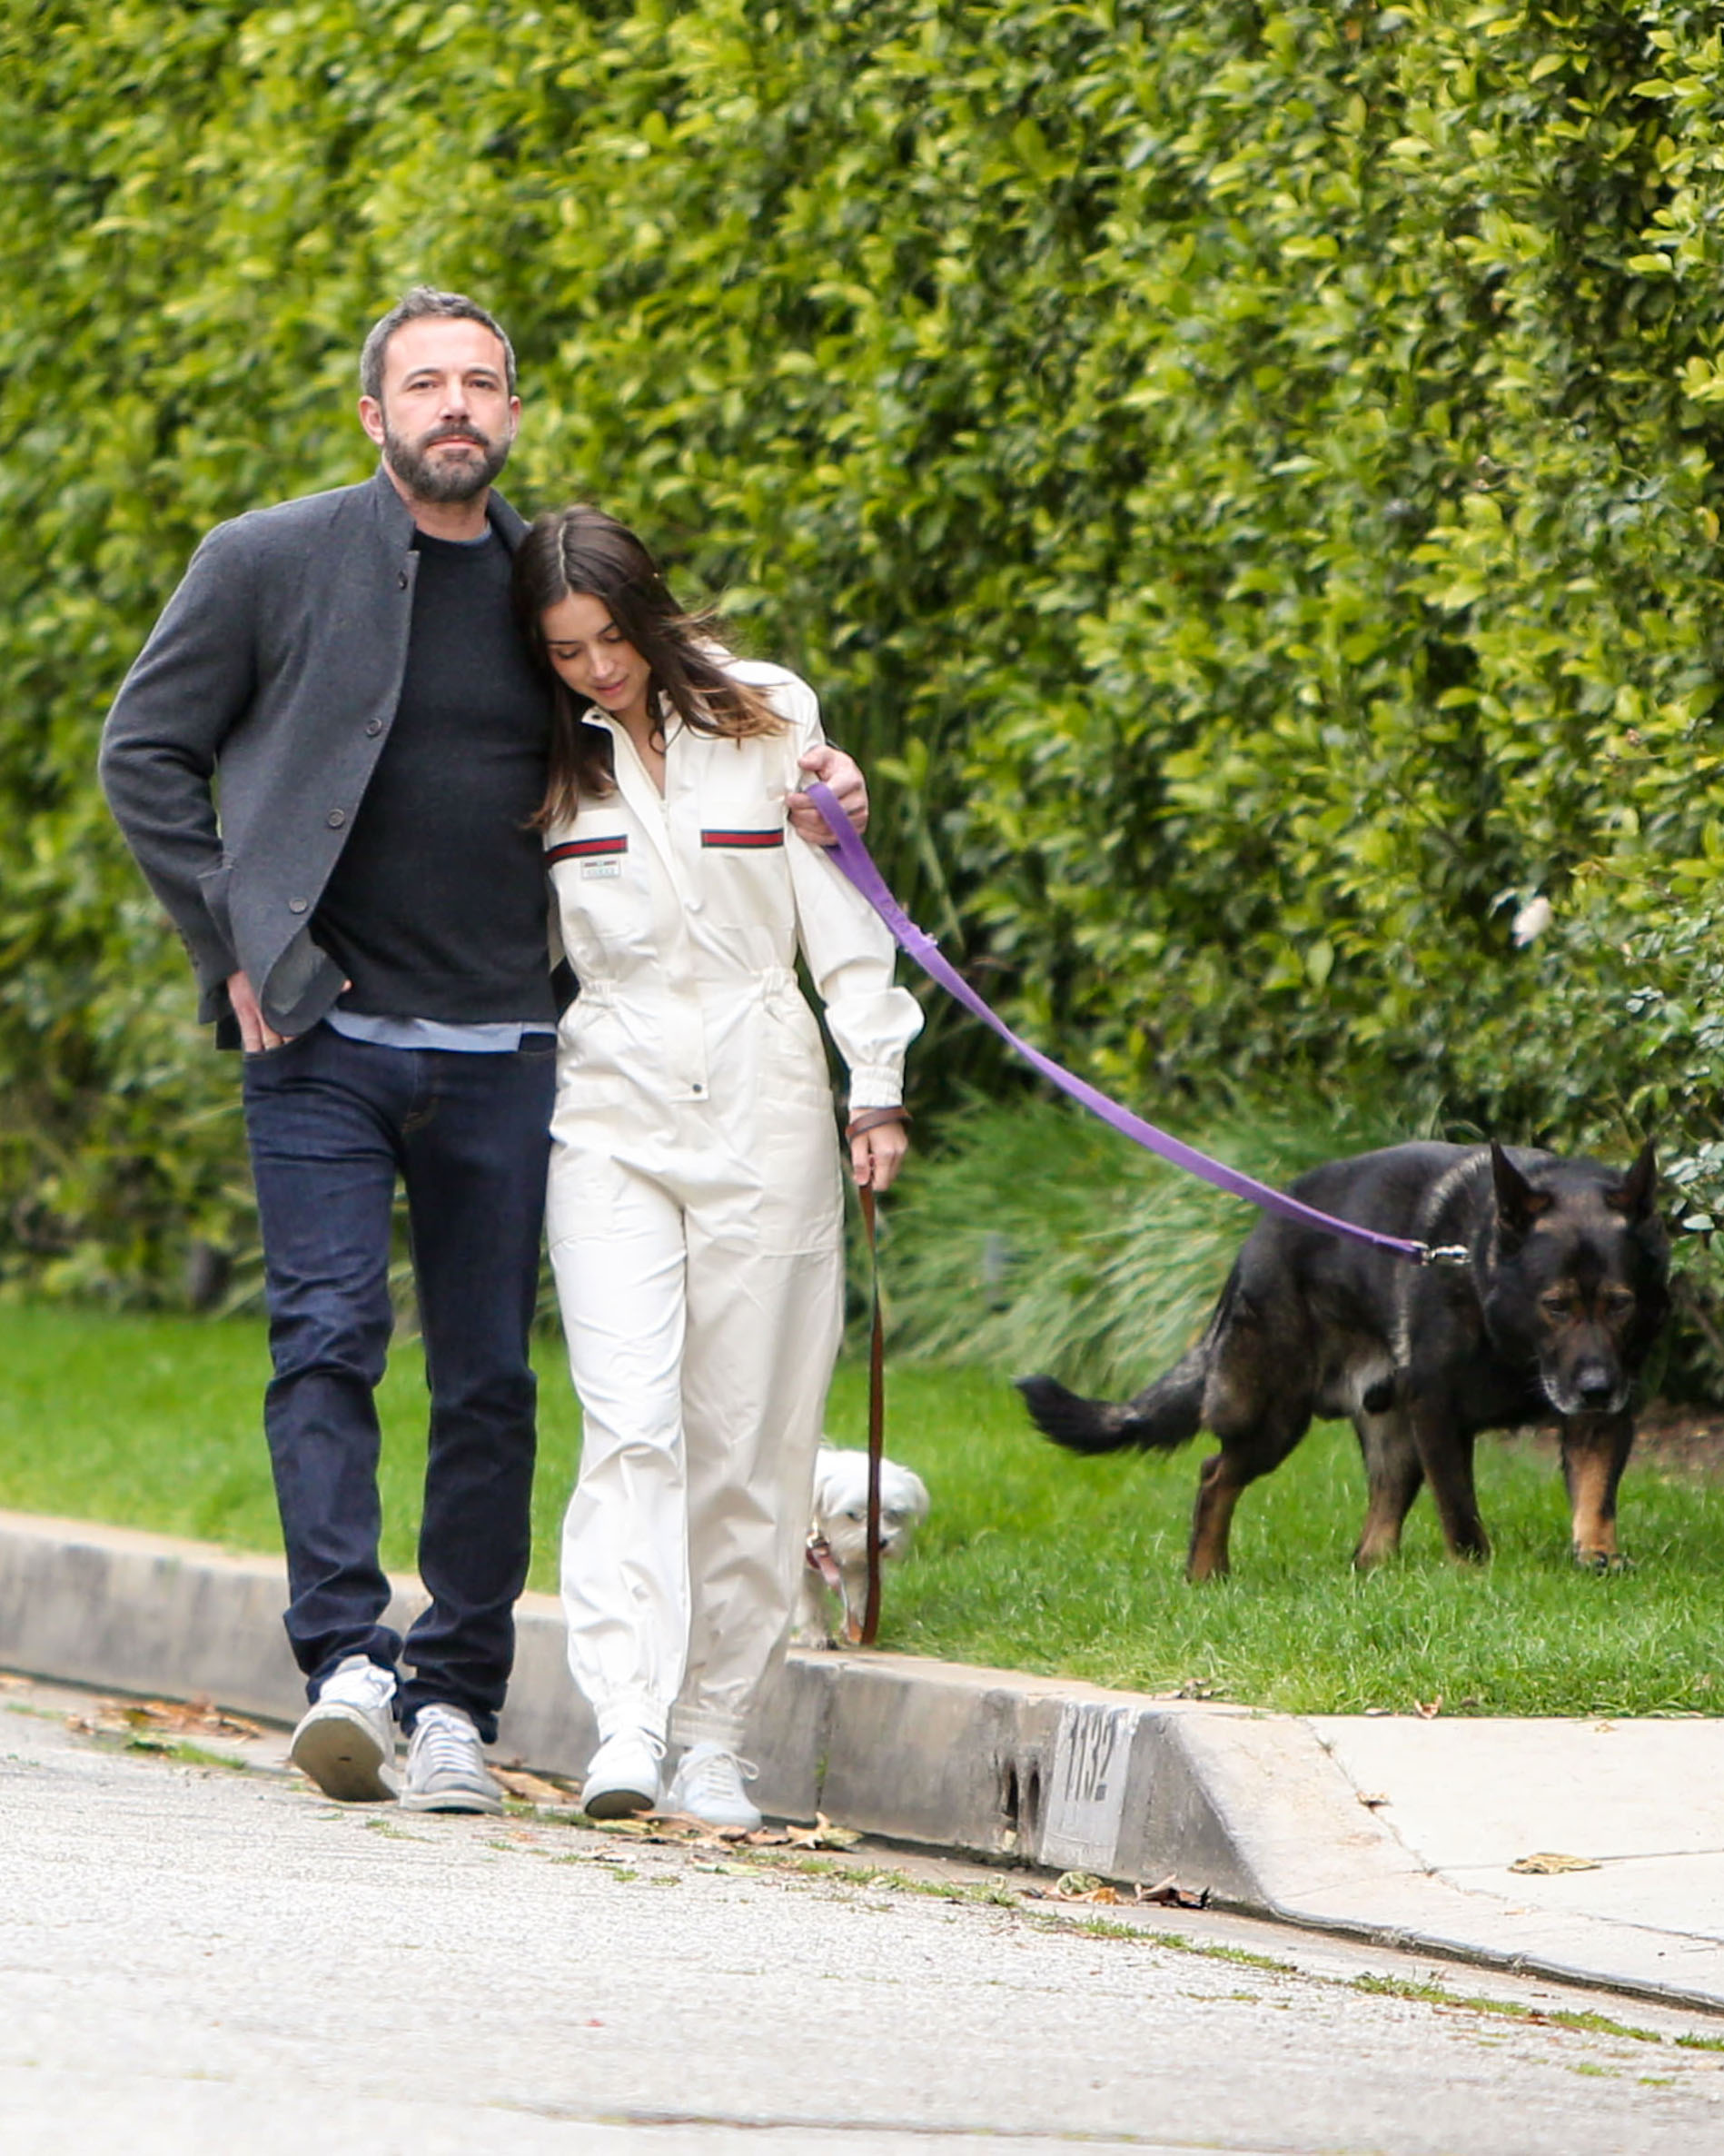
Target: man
x=366 y=916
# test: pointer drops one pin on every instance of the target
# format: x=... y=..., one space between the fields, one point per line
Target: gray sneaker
x=346 y=1743
x=446 y=1766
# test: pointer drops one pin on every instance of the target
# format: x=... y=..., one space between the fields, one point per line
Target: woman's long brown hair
x=583 y=551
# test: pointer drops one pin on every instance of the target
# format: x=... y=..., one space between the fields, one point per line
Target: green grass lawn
x=1032 y=1558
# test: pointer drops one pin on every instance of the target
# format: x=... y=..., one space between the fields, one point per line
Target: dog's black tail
x=1165 y=1414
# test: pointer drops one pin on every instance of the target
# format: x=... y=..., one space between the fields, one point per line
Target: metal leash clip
x=1449 y=1254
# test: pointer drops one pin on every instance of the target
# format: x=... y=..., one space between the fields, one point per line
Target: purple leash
x=858 y=864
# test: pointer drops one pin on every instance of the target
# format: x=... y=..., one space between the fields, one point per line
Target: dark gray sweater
x=437 y=907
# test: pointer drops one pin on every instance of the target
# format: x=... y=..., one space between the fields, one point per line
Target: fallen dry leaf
x=534 y=1789
x=199 y=1715
x=1428 y=1712
x=1086 y=1887
x=1167 y=1893
x=1552 y=1860
x=655 y=1826
x=822 y=1834
x=680 y=1828
x=1083 y=1886
x=196 y=1717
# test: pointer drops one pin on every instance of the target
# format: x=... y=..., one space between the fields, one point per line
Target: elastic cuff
x=877 y=1084
x=701 y=1725
x=628 y=1711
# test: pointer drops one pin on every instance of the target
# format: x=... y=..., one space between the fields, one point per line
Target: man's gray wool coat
x=242 y=739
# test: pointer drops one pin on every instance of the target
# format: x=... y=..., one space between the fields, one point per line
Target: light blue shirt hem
x=500 y=1037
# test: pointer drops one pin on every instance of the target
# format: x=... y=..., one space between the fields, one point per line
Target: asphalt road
x=199 y=1958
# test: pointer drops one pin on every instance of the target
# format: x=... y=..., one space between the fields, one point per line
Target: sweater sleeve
x=192 y=681
x=848 y=948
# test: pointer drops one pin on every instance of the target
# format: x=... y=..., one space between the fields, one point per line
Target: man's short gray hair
x=423 y=302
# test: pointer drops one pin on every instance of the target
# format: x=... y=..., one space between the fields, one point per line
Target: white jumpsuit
x=696 y=1210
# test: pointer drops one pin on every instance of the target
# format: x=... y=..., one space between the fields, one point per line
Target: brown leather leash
x=819 y=1555
x=876 y=1431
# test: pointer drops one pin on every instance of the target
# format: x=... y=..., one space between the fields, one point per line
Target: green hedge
x=1246 y=471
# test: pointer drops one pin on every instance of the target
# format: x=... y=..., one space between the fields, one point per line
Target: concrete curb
x=1258 y=1808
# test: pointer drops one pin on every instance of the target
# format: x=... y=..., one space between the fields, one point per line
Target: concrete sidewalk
x=1393 y=1829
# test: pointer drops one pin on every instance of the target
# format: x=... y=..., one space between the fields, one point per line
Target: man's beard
x=453 y=480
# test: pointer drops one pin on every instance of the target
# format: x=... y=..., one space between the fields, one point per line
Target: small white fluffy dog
x=841 y=1520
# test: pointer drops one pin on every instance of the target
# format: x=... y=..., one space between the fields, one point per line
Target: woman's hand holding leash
x=830 y=767
x=878 y=1142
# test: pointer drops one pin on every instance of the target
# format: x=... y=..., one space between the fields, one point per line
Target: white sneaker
x=346 y=1742
x=446 y=1766
x=709 y=1786
x=623 y=1778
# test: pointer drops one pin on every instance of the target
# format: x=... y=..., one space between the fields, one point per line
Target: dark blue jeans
x=332 y=1124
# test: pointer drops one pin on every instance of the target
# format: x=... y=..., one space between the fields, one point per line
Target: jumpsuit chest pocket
x=732 y=835
x=603 y=899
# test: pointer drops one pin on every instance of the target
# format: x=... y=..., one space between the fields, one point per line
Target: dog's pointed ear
x=1634 y=1198
x=1519 y=1204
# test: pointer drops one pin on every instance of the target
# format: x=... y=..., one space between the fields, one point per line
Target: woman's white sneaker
x=346 y=1742
x=708 y=1787
x=623 y=1778
x=445 y=1768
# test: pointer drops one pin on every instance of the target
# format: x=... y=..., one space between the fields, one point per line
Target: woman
x=696 y=1211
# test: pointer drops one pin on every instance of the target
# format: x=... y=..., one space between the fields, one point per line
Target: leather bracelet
x=871 y=1118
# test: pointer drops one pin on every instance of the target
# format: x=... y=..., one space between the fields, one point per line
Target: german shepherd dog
x=1562 y=1296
